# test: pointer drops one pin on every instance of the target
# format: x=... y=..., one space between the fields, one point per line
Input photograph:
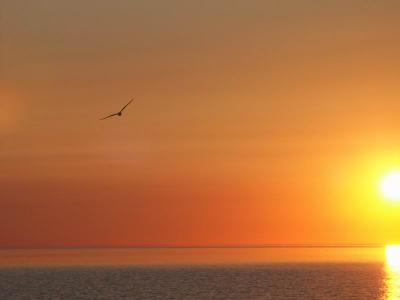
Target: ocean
x=183 y=278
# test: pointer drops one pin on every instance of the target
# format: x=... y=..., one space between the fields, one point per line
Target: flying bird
x=118 y=113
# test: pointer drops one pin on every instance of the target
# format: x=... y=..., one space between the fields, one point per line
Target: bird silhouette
x=119 y=114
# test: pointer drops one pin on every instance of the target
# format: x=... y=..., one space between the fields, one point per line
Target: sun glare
x=390 y=186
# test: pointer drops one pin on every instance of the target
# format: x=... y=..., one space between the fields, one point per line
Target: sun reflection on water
x=392 y=253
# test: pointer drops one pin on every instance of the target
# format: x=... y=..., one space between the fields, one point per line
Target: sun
x=390 y=186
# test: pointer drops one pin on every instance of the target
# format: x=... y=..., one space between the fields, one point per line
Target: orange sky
x=261 y=122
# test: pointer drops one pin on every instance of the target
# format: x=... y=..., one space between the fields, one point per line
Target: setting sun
x=200 y=149
x=390 y=186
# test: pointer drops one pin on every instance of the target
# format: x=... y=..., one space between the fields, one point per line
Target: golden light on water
x=392 y=253
x=390 y=186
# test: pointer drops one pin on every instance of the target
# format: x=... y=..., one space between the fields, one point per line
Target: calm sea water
x=190 y=277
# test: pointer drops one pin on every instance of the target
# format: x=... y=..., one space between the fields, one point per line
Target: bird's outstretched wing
x=126 y=105
x=112 y=115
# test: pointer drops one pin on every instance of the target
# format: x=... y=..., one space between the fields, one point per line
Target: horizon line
x=211 y=246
